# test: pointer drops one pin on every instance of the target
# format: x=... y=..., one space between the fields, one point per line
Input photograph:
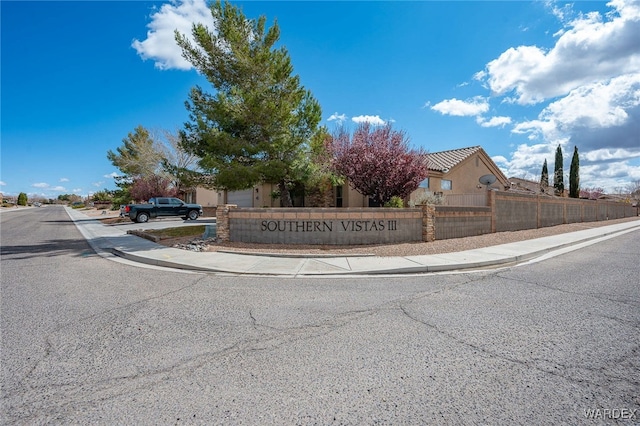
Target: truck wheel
x=193 y=214
x=142 y=218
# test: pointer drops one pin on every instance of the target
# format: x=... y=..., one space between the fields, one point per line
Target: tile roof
x=439 y=161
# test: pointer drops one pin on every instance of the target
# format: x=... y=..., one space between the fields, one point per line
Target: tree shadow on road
x=77 y=248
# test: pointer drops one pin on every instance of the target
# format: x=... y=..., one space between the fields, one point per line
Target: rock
x=197 y=245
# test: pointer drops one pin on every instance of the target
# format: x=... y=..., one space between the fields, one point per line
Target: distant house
x=458 y=172
x=528 y=186
x=452 y=172
x=204 y=197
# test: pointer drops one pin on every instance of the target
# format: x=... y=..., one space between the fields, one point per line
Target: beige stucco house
x=458 y=172
x=452 y=172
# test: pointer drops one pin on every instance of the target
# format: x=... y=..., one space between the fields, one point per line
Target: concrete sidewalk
x=113 y=239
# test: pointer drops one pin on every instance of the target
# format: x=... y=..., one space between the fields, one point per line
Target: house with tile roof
x=458 y=172
x=528 y=186
x=452 y=172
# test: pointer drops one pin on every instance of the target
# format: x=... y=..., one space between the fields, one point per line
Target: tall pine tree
x=544 y=177
x=574 y=175
x=257 y=125
x=558 y=173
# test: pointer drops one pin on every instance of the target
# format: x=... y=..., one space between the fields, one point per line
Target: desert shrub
x=395 y=202
x=428 y=199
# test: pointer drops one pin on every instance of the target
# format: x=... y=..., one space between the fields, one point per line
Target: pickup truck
x=162 y=206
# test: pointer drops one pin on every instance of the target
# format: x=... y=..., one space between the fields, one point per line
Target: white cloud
x=583 y=90
x=562 y=13
x=604 y=114
x=97 y=184
x=111 y=175
x=494 y=121
x=601 y=155
x=589 y=50
x=340 y=118
x=610 y=176
x=456 y=107
x=2 y=183
x=371 y=119
x=601 y=104
x=76 y=190
x=46 y=186
x=64 y=179
x=160 y=45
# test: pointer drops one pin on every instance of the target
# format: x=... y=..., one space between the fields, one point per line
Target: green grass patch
x=183 y=231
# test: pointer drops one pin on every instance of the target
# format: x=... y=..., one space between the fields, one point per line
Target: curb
x=419 y=268
x=294 y=255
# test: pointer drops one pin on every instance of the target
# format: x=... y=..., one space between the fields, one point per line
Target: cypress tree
x=22 y=199
x=558 y=173
x=574 y=175
x=544 y=178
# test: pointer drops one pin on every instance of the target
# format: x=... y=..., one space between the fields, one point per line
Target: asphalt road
x=86 y=340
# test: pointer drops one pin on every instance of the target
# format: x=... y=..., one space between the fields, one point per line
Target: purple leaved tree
x=377 y=162
x=152 y=186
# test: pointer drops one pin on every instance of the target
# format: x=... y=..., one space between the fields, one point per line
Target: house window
x=445 y=184
x=424 y=184
x=338 y=196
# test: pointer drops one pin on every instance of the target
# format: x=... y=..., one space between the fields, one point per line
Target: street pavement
x=93 y=342
x=106 y=239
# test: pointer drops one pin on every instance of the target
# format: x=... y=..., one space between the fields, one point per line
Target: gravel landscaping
x=407 y=249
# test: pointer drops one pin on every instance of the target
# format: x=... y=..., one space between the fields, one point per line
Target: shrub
x=395 y=202
x=428 y=199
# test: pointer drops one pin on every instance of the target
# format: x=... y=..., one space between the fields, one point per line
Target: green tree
x=558 y=173
x=321 y=178
x=121 y=195
x=544 y=177
x=139 y=155
x=147 y=156
x=22 y=199
x=69 y=198
x=257 y=125
x=105 y=195
x=574 y=175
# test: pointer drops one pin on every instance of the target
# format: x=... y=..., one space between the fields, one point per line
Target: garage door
x=241 y=198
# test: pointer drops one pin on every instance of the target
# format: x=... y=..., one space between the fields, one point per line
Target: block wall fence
x=352 y=226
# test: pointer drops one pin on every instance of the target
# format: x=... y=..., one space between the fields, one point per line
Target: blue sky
x=516 y=77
